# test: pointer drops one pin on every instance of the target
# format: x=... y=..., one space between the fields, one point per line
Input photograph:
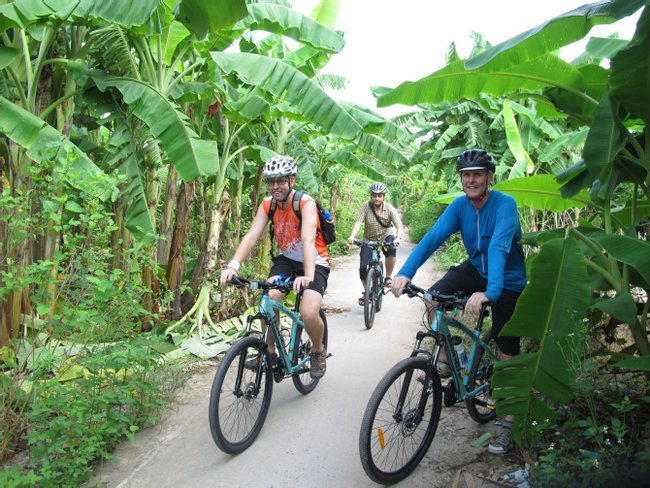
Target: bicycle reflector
x=380 y=434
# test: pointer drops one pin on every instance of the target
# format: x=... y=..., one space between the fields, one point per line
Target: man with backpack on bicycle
x=380 y=219
x=494 y=272
x=302 y=251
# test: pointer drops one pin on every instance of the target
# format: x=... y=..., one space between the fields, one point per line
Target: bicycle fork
x=410 y=420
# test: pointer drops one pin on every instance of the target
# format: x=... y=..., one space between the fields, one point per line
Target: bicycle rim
x=392 y=442
x=302 y=346
x=370 y=299
x=480 y=407
x=237 y=408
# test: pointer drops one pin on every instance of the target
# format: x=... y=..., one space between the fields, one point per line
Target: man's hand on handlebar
x=301 y=283
x=399 y=282
x=475 y=301
x=227 y=275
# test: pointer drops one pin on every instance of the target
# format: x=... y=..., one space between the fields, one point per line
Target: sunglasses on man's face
x=277 y=181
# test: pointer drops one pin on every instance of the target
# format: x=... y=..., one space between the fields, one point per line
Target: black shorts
x=464 y=278
x=288 y=267
x=364 y=255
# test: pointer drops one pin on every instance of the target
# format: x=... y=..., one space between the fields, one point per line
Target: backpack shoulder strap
x=297 y=197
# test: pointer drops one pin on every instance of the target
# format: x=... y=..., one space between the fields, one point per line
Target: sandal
x=362 y=300
x=388 y=282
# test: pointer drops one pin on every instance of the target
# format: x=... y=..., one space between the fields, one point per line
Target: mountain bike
x=402 y=414
x=243 y=385
x=374 y=291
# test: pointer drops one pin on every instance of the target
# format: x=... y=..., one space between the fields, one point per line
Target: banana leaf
x=550 y=309
x=622 y=307
x=287 y=83
x=44 y=143
x=284 y=21
x=629 y=250
x=630 y=78
x=605 y=47
x=555 y=33
x=7 y=56
x=541 y=192
x=453 y=82
x=191 y=155
x=381 y=149
x=204 y=17
x=22 y=13
x=523 y=164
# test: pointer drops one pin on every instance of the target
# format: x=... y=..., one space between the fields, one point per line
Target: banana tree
x=592 y=267
x=137 y=83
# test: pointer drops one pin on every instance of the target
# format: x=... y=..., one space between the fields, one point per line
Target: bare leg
x=390 y=266
x=309 y=312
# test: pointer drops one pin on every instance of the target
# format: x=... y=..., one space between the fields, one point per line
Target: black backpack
x=327 y=229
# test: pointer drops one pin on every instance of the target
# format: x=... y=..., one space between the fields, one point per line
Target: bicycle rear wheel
x=479 y=407
x=380 y=286
x=302 y=347
x=400 y=420
x=369 y=307
x=240 y=396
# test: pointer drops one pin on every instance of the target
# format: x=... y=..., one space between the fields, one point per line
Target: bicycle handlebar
x=283 y=284
x=371 y=244
x=457 y=300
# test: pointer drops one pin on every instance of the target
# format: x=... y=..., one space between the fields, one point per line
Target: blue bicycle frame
x=267 y=312
x=440 y=326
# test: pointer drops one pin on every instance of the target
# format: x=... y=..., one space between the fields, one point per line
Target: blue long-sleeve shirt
x=491 y=236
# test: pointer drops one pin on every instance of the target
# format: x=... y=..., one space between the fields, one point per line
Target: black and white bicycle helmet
x=279 y=165
x=474 y=159
x=378 y=188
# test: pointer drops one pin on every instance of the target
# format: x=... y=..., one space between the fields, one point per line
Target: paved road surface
x=312 y=440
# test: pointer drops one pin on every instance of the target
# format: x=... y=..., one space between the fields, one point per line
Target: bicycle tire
x=370 y=296
x=302 y=345
x=390 y=445
x=380 y=286
x=237 y=415
x=481 y=373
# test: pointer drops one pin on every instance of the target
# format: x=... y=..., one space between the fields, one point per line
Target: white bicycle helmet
x=279 y=165
x=378 y=188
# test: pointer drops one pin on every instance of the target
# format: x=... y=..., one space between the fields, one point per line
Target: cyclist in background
x=303 y=252
x=488 y=221
x=381 y=224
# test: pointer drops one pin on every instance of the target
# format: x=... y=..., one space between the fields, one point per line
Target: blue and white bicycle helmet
x=378 y=188
x=279 y=165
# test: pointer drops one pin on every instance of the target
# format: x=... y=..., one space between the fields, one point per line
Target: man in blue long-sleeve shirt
x=494 y=271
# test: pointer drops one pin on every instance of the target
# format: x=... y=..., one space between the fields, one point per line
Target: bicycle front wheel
x=370 y=298
x=480 y=408
x=379 y=287
x=240 y=396
x=400 y=420
x=302 y=347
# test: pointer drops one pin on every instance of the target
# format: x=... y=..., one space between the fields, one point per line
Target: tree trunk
x=176 y=263
x=167 y=219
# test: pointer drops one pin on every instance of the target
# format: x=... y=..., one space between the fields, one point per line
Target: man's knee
x=310 y=316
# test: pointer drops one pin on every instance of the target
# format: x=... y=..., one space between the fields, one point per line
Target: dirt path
x=310 y=440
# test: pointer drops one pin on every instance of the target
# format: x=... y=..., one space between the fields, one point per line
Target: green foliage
x=605 y=447
x=72 y=424
x=421 y=215
x=82 y=377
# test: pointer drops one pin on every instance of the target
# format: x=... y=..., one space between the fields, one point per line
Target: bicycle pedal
x=329 y=354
